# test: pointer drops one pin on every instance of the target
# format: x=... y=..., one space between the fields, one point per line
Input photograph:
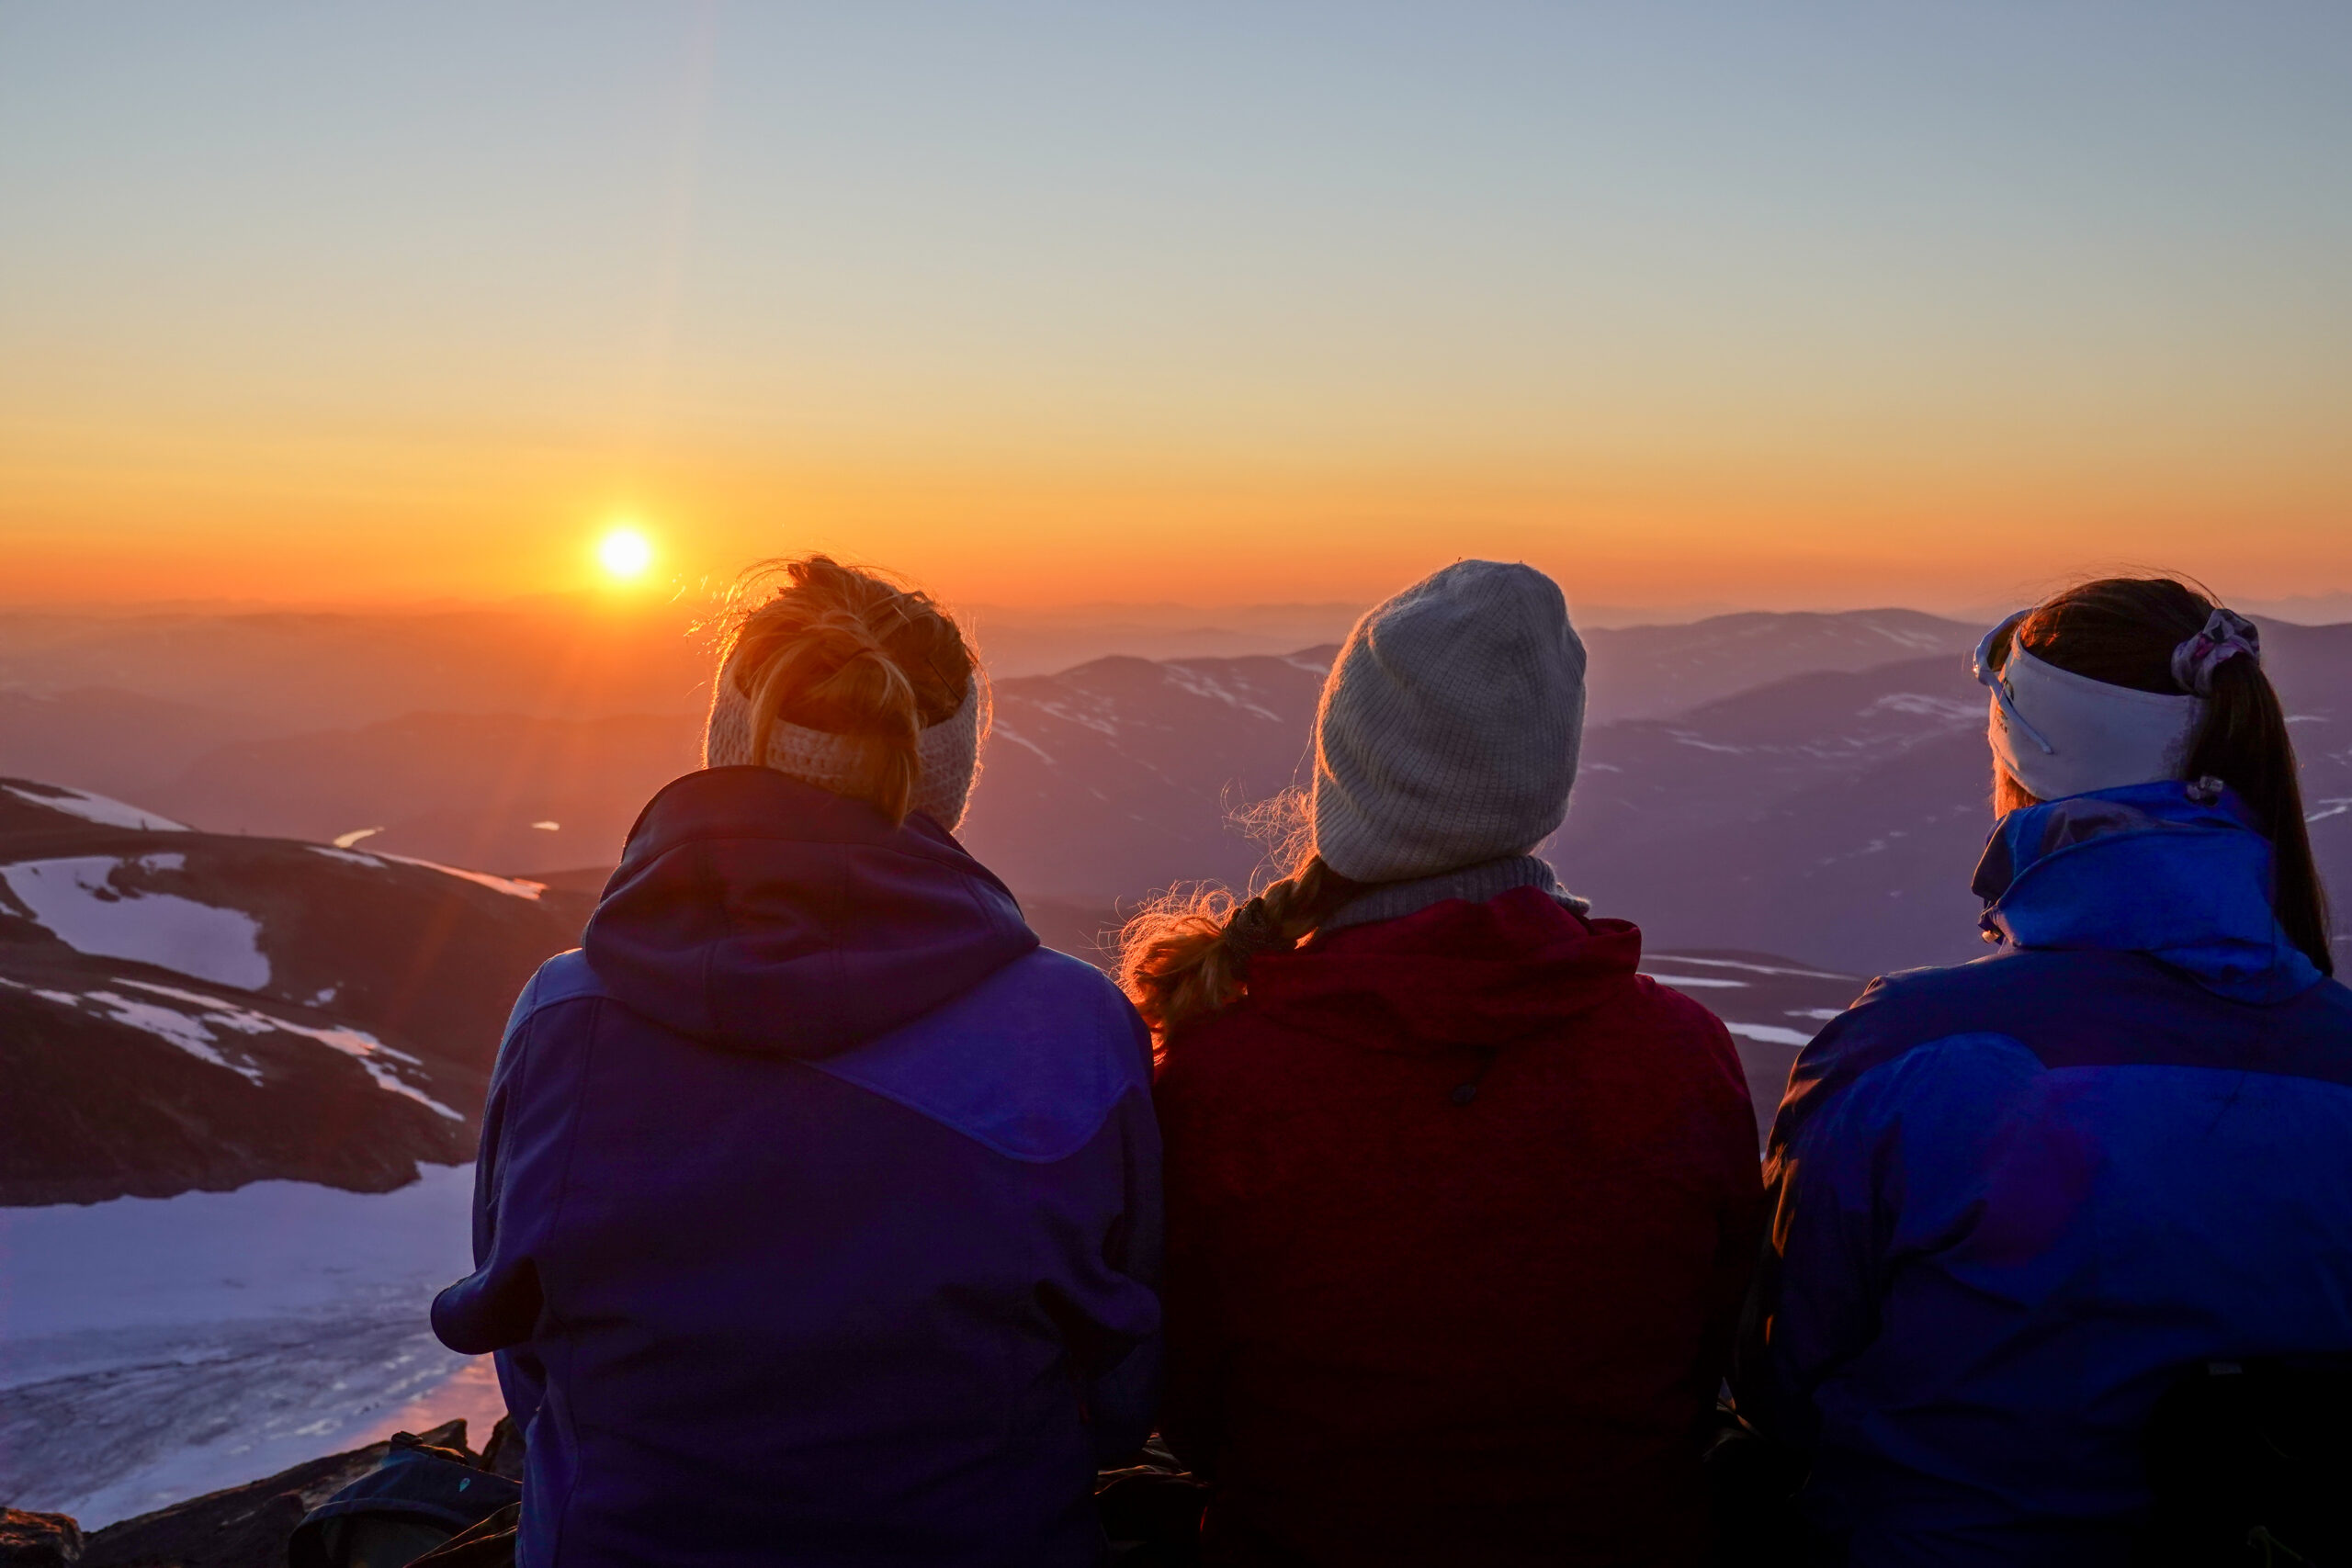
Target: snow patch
x=513 y=886
x=63 y=998
x=1068 y=716
x=1770 y=1034
x=344 y=840
x=1751 y=968
x=188 y=1034
x=1187 y=679
x=76 y=901
x=1700 y=982
x=1008 y=733
x=357 y=1043
x=1920 y=705
x=95 y=808
x=349 y=857
x=2328 y=808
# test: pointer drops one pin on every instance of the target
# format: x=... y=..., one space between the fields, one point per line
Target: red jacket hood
x=1455 y=974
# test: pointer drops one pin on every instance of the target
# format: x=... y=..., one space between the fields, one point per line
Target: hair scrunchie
x=1252 y=930
x=2226 y=635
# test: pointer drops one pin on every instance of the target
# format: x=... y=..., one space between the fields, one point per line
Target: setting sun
x=625 y=553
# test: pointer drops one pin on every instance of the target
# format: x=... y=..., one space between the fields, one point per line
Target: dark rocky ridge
x=365 y=1050
x=39 y=1540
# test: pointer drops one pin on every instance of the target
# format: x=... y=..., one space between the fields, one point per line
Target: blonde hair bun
x=851 y=682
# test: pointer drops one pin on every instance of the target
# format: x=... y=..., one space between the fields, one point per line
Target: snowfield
x=95 y=808
x=76 y=899
x=513 y=886
x=155 y=1349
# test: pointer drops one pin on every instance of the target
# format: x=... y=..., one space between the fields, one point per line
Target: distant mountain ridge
x=1814 y=785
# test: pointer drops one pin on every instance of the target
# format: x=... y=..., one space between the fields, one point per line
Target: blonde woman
x=818 y=1213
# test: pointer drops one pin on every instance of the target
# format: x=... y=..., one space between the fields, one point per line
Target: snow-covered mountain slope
x=153 y=1349
x=1119 y=776
x=186 y=1009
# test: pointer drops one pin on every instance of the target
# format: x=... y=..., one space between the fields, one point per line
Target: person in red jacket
x=1461 y=1209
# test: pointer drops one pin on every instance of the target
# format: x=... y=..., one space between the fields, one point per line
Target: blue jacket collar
x=2152 y=868
x=760 y=913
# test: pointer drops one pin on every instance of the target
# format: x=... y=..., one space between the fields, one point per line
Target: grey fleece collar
x=1475 y=884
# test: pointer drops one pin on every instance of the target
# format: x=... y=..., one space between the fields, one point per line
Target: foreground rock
x=1150 y=1510
x=38 y=1540
x=244 y=1526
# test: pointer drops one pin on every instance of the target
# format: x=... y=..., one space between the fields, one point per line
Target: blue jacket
x=2013 y=1200
x=817 y=1213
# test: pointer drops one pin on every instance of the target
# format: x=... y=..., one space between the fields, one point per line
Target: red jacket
x=1461 y=1212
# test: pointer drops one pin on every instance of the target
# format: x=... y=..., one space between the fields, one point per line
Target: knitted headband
x=2060 y=734
x=948 y=752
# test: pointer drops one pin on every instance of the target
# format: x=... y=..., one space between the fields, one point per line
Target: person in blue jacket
x=818 y=1210
x=2013 y=1200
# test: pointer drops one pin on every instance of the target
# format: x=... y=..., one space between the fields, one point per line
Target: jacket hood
x=1455 y=973
x=760 y=913
x=2146 y=868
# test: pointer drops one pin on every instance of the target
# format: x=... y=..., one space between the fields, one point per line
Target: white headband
x=2060 y=734
x=948 y=751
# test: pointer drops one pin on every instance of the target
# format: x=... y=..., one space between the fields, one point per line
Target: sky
x=1805 y=305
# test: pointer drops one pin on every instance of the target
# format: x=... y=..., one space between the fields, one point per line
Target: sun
x=625 y=553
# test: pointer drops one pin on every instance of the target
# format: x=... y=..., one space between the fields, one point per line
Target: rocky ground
x=239 y=1527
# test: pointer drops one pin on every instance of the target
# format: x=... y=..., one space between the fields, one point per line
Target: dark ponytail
x=2122 y=630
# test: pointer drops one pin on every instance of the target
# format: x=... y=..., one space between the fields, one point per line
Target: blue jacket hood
x=759 y=914
x=2147 y=868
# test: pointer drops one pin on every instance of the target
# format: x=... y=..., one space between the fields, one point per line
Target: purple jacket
x=818 y=1213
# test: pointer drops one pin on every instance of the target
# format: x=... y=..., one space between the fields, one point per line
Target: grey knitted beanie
x=1449 y=727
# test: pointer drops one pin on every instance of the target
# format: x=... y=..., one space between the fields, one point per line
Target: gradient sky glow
x=1803 y=304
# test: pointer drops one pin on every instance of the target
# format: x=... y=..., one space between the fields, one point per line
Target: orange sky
x=353 y=310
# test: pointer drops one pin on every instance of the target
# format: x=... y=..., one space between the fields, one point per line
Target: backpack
x=1752 y=1486
x=410 y=1503
x=2251 y=1464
